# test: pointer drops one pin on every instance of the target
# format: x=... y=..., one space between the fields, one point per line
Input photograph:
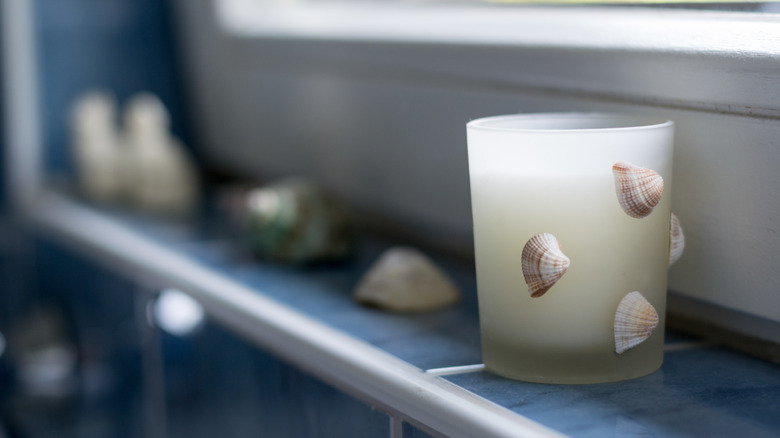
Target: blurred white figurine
x=96 y=142
x=161 y=175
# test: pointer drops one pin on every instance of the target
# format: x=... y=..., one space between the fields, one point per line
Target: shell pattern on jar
x=676 y=240
x=638 y=189
x=543 y=263
x=635 y=321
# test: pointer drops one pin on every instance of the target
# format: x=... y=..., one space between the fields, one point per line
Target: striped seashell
x=638 y=189
x=543 y=263
x=676 y=240
x=635 y=320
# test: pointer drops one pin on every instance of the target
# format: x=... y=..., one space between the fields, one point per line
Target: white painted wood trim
x=345 y=362
x=710 y=61
x=663 y=30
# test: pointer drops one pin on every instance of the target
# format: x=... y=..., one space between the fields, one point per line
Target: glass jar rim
x=562 y=122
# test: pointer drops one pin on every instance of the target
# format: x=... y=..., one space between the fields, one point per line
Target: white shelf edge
x=352 y=365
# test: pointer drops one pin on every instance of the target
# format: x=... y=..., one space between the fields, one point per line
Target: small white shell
x=635 y=320
x=638 y=189
x=543 y=263
x=676 y=240
x=405 y=280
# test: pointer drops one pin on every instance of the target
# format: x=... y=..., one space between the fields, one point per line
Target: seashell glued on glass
x=635 y=320
x=676 y=240
x=405 y=280
x=638 y=189
x=543 y=263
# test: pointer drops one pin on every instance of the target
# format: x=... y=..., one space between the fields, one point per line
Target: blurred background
x=85 y=352
x=82 y=353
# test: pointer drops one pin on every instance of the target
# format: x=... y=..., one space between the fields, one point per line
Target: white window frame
x=730 y=44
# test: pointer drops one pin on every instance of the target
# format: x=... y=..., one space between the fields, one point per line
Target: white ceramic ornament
x=161 y=176
x=96 y=144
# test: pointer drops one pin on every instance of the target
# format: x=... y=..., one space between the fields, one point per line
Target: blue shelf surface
x=697 y=392
x=701 y=389
x=443 y=338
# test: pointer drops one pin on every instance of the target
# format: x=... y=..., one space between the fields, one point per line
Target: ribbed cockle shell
x=635 y=320
x=543 y=263
x=676 y=240
x=638 y=189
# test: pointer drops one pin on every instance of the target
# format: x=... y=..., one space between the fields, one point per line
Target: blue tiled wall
x=124 y=46
x=212 y=383
x=2 y=136
x=94 y=317
x=218 y=384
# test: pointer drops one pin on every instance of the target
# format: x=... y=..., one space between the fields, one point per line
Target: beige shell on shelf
x=676 y=240
x=405 y=280
x=635 y=320
x=638 y=189
x=543 y=263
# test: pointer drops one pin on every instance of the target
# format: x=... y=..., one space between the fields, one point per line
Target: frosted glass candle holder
x=571 y=229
